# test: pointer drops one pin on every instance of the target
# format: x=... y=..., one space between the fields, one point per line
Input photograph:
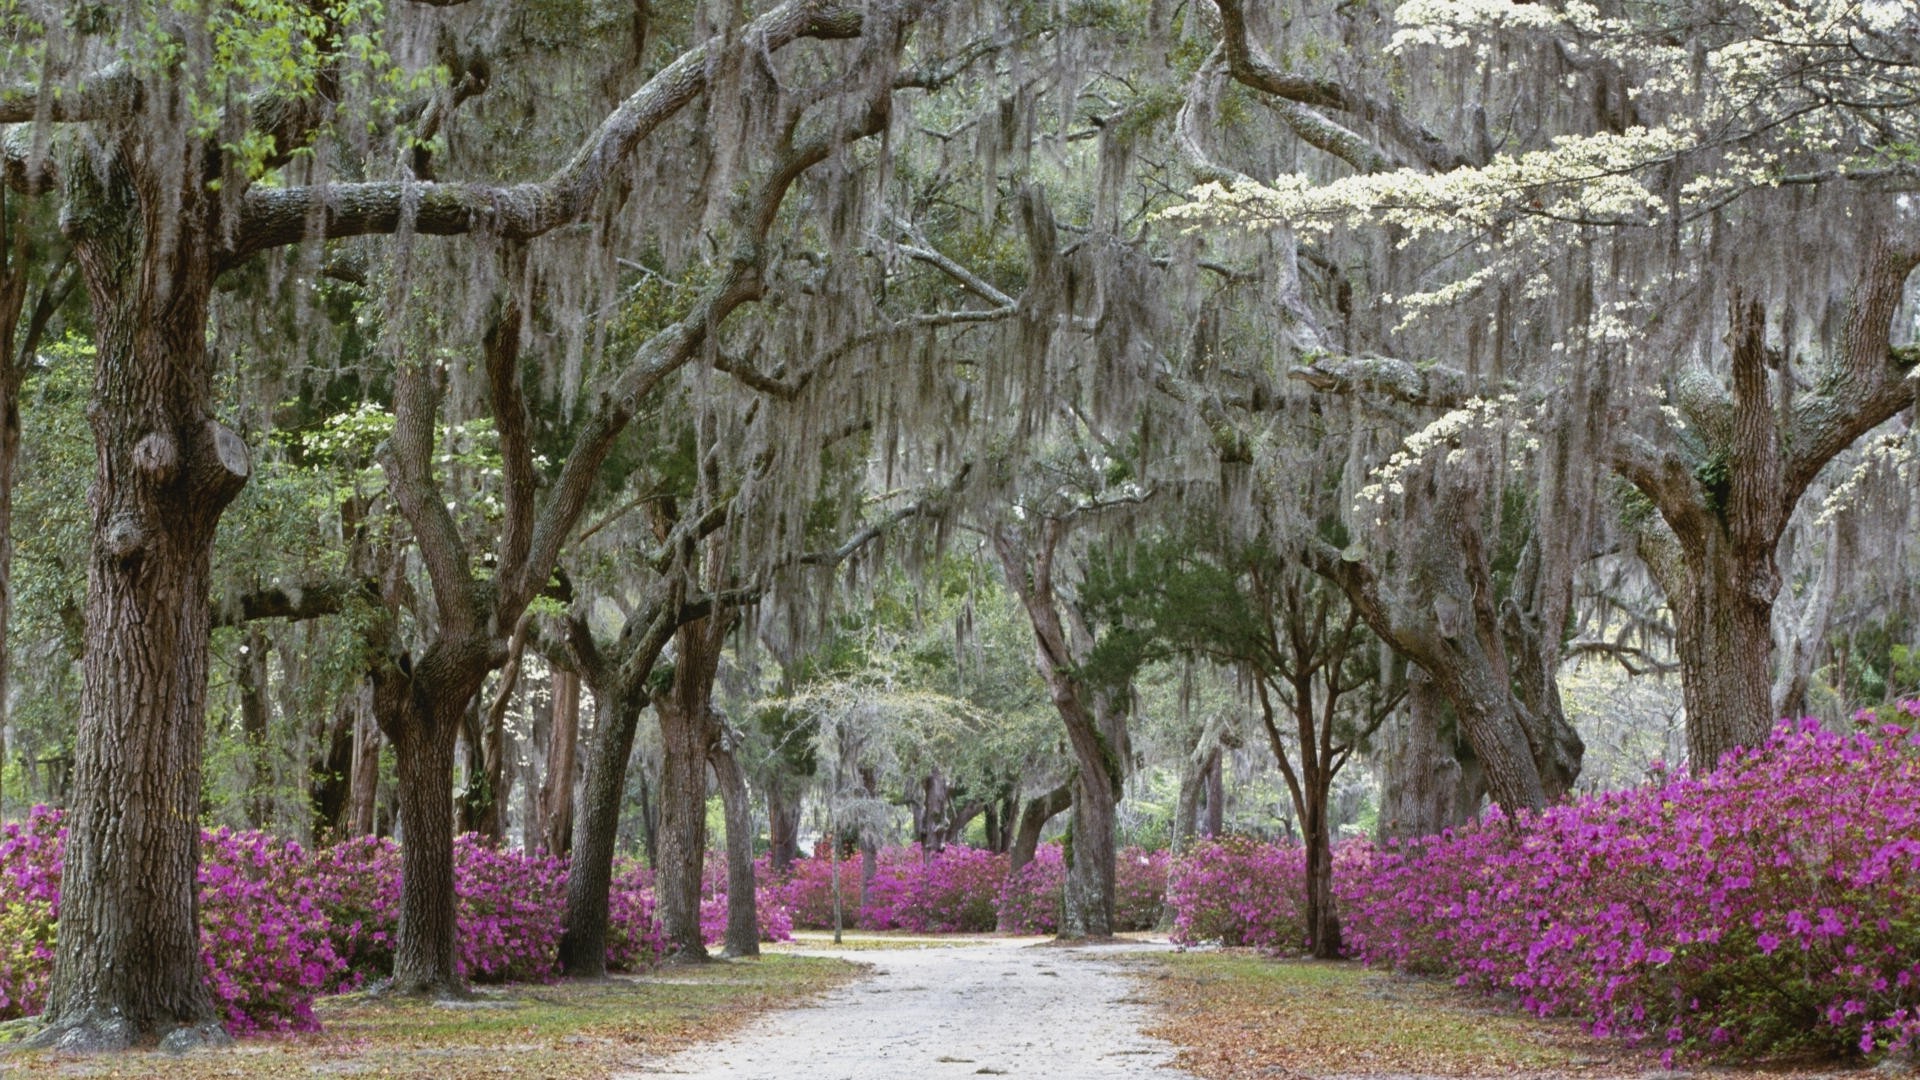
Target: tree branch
x=1251 y=67
x=272 y=217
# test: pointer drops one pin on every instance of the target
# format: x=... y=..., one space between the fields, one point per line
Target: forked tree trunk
x=422 y=712
x=1033 y=821
x=743 y=917
x=127 y=968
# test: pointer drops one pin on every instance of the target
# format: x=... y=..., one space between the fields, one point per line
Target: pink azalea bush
x=30 y=853
x=807 y=893
x=1139 y=888
x=512 y=910
x=953 y=891
x=1240 y=892
x=358 y=885
x=634 y=939
x=263 y=930
x=279 y=926
x=1031 y=896
x=1766 y=907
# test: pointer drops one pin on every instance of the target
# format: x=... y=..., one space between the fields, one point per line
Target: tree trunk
x=1033 y=820
x=13 y=298
x=422 y=712
x=1216 y=786
x=1088 y=912
x=363 y=795
x=1323 y=919
x=685 y=733
x=743 y=916
x=556 y=789
x=1723 y=635
x=783 y=824
x=255 y=713
x=331 y=787
x=1420 y=777
x=1096 y=729
x=127 y=968
x=583 y=949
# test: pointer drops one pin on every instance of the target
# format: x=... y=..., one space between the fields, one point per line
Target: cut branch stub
x=157 y=457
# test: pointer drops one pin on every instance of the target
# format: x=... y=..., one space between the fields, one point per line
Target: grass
x=1238 y=1015
x=559 y=1030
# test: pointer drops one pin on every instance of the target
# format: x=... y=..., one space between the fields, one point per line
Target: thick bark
x=1420 y=777
x=583 y=949
x=1726 y=514
x=743 y=916
x=686 y=731
x=128 y=967
x=1088 y=908
x=421 y=711
x=1723 y=632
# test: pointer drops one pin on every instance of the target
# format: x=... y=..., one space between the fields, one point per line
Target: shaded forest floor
x=1237 y=1015
x=561 y=1030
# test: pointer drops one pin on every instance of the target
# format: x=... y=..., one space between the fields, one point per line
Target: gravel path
x=999 y=1009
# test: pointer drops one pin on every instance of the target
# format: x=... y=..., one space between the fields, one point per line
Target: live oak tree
x=157 y=126
x=1719 y=205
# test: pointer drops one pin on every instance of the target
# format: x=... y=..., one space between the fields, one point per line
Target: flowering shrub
x=1030 y=900
x=965 y=890
x=357 y=883
x=279 y=926
x=1240 y=892
x=29 y=894
x=807 y=894
x=263 y=933
x=512 y=911
x=1768 y=906
x=634 y=939
x=1139 y=888
x=954 y=891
